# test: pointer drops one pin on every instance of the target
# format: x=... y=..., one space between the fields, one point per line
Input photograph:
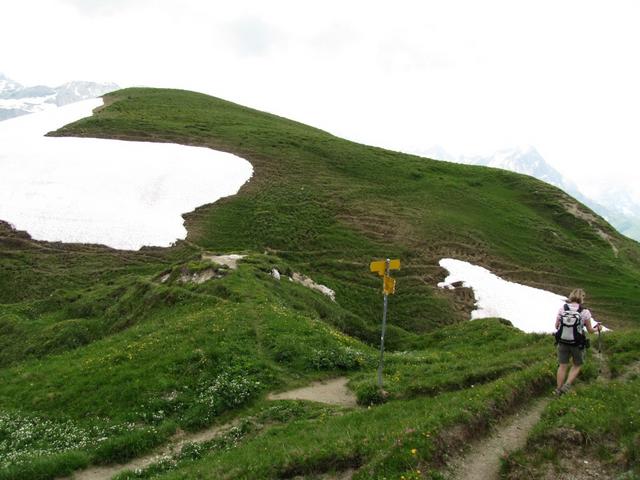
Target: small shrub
x=228 y=390
x=61 y=336
x=45 y=468
x=9 y=324
x=345 y=358
x=369 y=394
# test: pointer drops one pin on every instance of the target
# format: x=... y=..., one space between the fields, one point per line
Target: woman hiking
x=571 y=321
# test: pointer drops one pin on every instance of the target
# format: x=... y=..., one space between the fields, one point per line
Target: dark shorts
x=566 y=351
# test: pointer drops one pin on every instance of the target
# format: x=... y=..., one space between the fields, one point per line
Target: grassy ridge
x=100 y=360
x=198 y=352
x=321 y=202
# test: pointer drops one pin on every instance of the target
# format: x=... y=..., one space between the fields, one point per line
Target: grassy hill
x=100 y=360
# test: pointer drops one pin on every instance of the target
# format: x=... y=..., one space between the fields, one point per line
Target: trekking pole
x=599 y=340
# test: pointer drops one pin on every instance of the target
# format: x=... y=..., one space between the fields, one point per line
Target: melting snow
x=529 y=309
x=121 y=194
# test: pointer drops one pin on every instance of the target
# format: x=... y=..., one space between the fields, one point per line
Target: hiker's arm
x=591 y=329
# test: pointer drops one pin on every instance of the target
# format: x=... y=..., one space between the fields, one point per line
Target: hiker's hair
x=577 y=296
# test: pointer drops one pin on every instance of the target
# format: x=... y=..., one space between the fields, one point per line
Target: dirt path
x=604 y=373
x=482 y=462
x=332 y=391
x=174 y=447
x=346 y=475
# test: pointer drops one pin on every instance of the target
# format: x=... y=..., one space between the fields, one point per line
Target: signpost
x=382 y=268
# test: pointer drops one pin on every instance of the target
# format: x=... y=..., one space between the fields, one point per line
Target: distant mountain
x=525 y=160
x=7 y=85
x=617 y=205
x=16 y=99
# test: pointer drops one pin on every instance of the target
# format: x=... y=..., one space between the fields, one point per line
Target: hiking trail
x=482 y=461
x=333 y=391
x=174 y=447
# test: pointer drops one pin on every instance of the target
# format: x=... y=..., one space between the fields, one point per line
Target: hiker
x=571 y=321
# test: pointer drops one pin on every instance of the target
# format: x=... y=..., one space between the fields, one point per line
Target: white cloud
x=473 y=76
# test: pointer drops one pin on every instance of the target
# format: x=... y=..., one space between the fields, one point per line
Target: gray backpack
x=571 y=331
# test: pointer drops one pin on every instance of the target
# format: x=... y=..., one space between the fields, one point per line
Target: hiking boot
x=565 y=388
x=557 y=392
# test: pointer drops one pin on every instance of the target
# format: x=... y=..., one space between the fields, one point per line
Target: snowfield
x=529 y=309
x=121 y=194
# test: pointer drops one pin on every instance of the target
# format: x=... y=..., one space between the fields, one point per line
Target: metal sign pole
x=384 y=327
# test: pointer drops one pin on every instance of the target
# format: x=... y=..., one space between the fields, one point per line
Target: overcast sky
x=471 y=76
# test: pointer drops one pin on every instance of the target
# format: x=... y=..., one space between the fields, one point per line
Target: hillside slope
x=105 y=354
x=333 y=205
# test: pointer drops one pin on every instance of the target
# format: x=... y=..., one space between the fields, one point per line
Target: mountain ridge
x=617 y=207
x=17 y=100
x=106 y=354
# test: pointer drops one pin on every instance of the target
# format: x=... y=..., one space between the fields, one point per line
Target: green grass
x=101 y=361
x=601 y=421
x=398 y=438
x=454 y=358
x=622 y=348
x=331 y=206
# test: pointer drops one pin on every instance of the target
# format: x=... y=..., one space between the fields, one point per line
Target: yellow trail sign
x=380 y=266
x=389 y=285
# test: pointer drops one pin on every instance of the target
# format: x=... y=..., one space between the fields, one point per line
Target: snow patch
x=527 y=308
x=121 y=194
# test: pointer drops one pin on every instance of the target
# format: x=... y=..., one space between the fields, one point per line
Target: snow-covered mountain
x=617 y=206
x=16 y=100
x=525 y=160
x=7 y=85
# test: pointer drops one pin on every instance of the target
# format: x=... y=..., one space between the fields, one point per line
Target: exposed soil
x=345 y=475
x=482 y=462
x=333 y=391
x=307 y=282
x=604 y=373
x=578 y=469
x=230 y=260
x=593 y=221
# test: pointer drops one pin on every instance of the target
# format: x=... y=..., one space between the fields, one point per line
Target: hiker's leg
x=573 y=373
x=563 y=362
x=562 y=374
x=577 y=354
